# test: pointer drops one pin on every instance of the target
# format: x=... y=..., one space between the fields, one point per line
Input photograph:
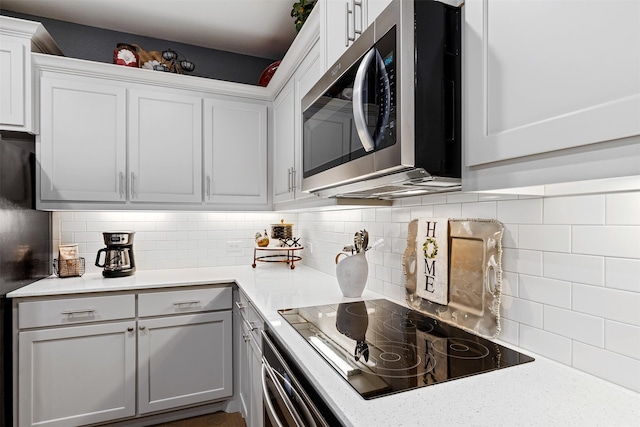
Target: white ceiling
x=261 y=28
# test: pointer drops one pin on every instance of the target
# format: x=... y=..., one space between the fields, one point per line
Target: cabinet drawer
x=252 y=321
x=68 y=311
x=184 y=301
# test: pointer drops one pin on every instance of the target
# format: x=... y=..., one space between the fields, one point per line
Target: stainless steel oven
x=289 y=398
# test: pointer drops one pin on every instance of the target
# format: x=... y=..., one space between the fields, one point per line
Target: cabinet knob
x=129 y=329
x=142 y=327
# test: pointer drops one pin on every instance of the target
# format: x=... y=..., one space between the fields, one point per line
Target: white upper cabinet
x=284 y=143
x=287 y=129
x=119 y=138
x=548 y=75
x=82 y=146
x=165 y=146
x=235 y=152
x=17 y=39
x=344 y=21
x=13 y=56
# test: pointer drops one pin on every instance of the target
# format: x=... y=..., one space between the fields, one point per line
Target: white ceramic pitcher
x=352 y=273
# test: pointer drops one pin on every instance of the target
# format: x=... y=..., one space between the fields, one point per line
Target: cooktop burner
x=381 y=347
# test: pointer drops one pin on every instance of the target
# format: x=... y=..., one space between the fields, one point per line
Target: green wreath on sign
x=434 y=248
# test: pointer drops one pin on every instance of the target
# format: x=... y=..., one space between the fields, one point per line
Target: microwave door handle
x=358 y=103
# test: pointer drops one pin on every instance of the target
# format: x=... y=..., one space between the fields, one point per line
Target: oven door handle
x=308 y=420
x=265 y=394
x=358 y=103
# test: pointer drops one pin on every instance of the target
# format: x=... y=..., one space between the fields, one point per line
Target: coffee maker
x=118 y=258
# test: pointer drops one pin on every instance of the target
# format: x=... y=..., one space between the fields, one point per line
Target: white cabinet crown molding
x=41 y=40
x=75 y=67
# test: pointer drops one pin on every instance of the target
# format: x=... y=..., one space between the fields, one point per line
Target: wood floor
x=218 y=419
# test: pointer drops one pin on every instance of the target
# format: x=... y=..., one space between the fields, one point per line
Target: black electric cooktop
x=381 y=348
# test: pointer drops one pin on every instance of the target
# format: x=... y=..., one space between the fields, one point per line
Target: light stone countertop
x=541 y=393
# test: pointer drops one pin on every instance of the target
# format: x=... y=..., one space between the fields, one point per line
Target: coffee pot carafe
x=118 y=255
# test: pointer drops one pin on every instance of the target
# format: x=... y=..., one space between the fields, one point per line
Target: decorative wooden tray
x=475 y=276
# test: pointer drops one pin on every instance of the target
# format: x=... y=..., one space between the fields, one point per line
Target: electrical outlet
x=234 y=247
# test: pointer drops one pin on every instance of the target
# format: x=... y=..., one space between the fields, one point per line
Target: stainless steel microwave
x=385 y=120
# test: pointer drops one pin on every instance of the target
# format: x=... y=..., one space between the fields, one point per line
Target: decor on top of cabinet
x=300 y=12
x=127 y=55
x=474 y=262
x=268 y=73
x=167 y=60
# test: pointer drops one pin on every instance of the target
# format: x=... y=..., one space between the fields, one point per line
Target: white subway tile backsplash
x=614 y=241
x=522 y=261
x=73 y=226
x=522 y=311
x=510 y=236
x=422 y=212
x=546 y=291
x=448 y=211
x=527 y=211
x=622 y=338
x=462 y=198
x=570 y=264
x=553 y=238
x=479 y=210
x=550 y=345
x=509 y=331
x=623 y=209
x=612 y=304
x=574 y=210
x=434 y=199
x=575 y=268
x=623 y=274
x=577 y=326
x=86 y=216
x=509 y=285
x=611 y=366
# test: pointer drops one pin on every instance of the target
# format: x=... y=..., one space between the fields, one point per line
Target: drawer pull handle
x=193 y=302
x=129 y=329
x=142 y=328
x=241 y=305
x=87 y=311
x=250 y=325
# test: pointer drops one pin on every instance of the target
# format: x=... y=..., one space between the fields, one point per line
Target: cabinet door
x=184 y=360
x=165 y=147
x=344 y=21
x=284 y=142
x=244 y=371
x=374 y=8
x=82 y=143
x=77 y=375
x=255 y=362
x=307 y=74
x=12 y=81
x=235 y=152
x=535 y=88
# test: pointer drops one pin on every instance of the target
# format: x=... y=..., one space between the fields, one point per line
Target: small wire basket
x=68 y=267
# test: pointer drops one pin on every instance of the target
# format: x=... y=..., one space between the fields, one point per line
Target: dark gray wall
x=97 y=44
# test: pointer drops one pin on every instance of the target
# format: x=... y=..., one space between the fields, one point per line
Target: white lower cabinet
x=77 y=375
x=89 y=359
x=184 y=360
x=250 y=361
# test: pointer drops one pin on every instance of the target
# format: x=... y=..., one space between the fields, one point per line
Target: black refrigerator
x=25 y=244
